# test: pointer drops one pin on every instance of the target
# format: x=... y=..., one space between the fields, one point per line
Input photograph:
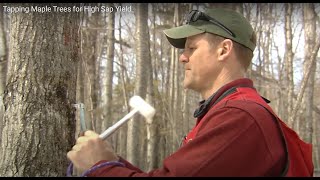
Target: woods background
x=52 y=60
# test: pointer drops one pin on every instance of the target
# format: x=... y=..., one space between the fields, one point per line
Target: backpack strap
x=276 y=118
x=298 y=153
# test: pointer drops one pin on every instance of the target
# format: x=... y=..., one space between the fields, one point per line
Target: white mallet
x=138 y=105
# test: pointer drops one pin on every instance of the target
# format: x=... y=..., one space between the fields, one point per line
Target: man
x=236 y=133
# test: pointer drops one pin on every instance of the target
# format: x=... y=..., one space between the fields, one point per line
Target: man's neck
x=222 y=80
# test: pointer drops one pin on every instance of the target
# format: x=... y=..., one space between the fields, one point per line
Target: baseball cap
x=222 y=22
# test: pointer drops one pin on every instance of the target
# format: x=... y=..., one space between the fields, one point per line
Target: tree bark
x=39 y=120
x=3 y=55
x=151 y=124
x=3 y=64
x=309 y=19
x=136 y=125
x=288 y=62
x=107 y=122
x=123 y=130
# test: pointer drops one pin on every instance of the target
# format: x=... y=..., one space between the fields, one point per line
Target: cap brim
x=177 y=35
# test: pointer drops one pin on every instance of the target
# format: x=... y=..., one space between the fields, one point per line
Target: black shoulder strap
x=234 y=89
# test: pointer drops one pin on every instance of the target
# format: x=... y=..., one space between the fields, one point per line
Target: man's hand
x=90 y=149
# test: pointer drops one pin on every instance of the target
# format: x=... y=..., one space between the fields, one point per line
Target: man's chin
x=190 y=86
x=187 y=86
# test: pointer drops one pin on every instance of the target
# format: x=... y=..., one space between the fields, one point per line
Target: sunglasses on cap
x=196 y=15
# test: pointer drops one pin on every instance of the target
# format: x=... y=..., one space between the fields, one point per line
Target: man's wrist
x=101 y=164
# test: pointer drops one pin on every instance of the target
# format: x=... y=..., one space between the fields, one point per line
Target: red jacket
x=235 y=136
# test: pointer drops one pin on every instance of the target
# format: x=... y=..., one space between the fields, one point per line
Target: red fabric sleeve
x=230 y=143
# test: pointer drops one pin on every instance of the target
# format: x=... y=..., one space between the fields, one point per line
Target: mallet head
x=144 y=108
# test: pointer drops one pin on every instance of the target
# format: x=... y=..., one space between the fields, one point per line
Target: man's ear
x=225 y=49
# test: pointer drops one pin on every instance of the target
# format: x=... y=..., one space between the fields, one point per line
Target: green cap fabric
x=234 y=21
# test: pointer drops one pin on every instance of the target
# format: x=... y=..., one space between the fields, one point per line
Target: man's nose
x=183 y=58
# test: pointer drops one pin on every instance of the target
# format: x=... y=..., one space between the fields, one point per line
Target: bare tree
x=288 y=62
x=136 y=125
x=151 y=124
x=92 y=40
x=124 y=81
x=109 y=71
x=309 y=19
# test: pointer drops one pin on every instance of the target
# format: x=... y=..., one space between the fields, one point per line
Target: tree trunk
x=107 y=122
x=91 y=48
x=288 y=56
x=151 y=125
x=123 y=131
x=136 y=125
x=39 y=120
x=3 y=64
x=234 y=6
x=309 y=18
x=176 y=92
x=3 y=55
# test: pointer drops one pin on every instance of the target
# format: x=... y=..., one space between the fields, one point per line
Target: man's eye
x=191 y=48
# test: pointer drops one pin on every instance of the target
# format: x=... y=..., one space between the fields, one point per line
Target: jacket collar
x=205 y=105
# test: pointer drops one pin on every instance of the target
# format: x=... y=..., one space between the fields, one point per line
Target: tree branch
x=313 y=58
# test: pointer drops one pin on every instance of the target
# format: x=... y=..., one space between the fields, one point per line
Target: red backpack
x=299 y=153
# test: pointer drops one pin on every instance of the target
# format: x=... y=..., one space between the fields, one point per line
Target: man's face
x=200 y=63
